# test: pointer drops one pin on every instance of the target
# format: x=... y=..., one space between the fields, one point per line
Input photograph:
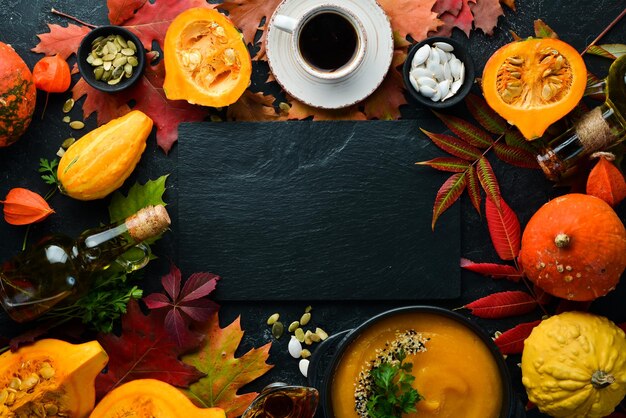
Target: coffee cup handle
x=285 y=23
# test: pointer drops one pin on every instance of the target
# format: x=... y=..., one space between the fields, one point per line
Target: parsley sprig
x=392 y=393
x=48 y=170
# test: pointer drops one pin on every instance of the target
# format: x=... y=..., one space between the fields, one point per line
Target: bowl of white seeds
x=438 y=72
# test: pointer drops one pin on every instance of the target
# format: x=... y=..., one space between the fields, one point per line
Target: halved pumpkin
x=532 y=83
x=206 y=59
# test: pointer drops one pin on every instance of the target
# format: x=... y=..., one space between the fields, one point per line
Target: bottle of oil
x=597 y=130
x=58 y=266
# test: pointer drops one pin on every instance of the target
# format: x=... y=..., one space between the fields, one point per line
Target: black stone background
x=577 y=22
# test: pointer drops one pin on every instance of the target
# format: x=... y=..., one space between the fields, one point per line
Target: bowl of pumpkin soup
x=414 y=362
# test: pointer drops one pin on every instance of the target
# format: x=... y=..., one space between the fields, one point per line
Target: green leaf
x=544 y=31
x=448 y=193
x=488 y=180
x=514 y=138
x=139 y=196
x=454 y=146
x=485 y=115
x=48 y=170
x=473 y=135
x=515 y=156
x=450 y=164
x=473 y=189
x=610 y=51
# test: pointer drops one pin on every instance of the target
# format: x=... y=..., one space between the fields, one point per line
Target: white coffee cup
x=334 y=65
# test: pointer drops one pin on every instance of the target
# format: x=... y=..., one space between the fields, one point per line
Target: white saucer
x=332 y=94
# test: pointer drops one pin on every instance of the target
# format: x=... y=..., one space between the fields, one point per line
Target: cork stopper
x=148 y=222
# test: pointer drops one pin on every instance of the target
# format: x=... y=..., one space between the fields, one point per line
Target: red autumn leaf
x=122 y=10
x=144 y=350
x=504 y=229
x=447 y=194
x=485 y=115
x=23 y=207
x=462 y=19
x=450 y=164
x=454 y=146
x=225 y=374
x=496 y=271
x=516 y=156
x=512 y=341
x=186 y=305
x=502 y=305
x=488 y=180
x=486 y=13
x=473 y=135
x=606 y=182
x=108 y=106
x=385 y=102
x=448 y=6
x=473 y=189
x=411 y=17
x=61 y=40
x=252 y=107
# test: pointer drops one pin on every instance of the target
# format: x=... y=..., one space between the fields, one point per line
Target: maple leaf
x=502 y=305
x=411 y=17
x=606 y=182
x=512 y=341
x=386 y=100
x=448 y=6
x=61 y=40
x=122 y=10
x=108 y=106
x=462 y=20
x=225 y=374
x=509 y=3
x=252 y=107
x=144 y=350
x=186 y=305
x=486 y=13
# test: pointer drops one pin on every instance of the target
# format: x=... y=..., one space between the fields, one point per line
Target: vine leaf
x=485 y=115
x=504 y=228
x=449 y=192
x=502 y=305
x=473 y=135
x=488 y=180
x=512 y=341
x=544 y=31
x=606 y=182
x=450 y=164
x=493 y=270
x=473 y=189
x=454 y=146
x=515 y=156
x=61 y=40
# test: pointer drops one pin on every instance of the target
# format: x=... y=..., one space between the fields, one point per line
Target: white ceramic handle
x=285 y=23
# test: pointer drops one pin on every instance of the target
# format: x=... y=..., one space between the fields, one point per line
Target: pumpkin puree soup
x=455 y=374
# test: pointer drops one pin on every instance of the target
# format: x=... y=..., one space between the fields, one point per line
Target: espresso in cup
x=328 y=41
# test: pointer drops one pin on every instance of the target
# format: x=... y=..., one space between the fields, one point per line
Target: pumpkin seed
x=76 y=124
x=113 y=49
x=278 y=329
x=308 y=309
x=307 y=337
x=294 y=347
x=90 y=59
x=128 y=52
x=98 y=72
x=273 y=318
x=46 y=372
x=108 y=57
x=132 y=45
x=4 y=394
x=10 y=399
x=293 y=326
x=121 y=41
x=51 y=409
x=68 y=142
x=305 y=318
x=106 y=75
x=117 y=72
x=105 y=50
x=120 y=61
x=321 y=333
x=299 y=334
x=66 y=119
x=107 y=65
x=29 y=382
x=305 y=353
x=115 y=81
x=133 y=61
x=97 y=62
x=97 y=40
x=128 y=69
x=15 y=383
x=68 y=105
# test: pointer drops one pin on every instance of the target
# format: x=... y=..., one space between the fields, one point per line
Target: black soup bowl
x=337 y=366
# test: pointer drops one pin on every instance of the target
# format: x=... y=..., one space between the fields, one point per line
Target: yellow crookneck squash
x=532 y=83
x=99 y=162
x=574 y=366
x=50 y=378
x=150 y=398
x=206 y=60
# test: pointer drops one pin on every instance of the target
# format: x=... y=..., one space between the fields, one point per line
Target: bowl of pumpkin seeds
x=111 y=58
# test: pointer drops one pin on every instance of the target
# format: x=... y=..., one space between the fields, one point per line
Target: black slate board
x=315 y=211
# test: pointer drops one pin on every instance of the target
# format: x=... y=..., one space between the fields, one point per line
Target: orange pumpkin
x=206 y=59
x=574 y=247
x=532 y=83
x=17 y=96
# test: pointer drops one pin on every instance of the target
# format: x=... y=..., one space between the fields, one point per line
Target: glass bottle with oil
x=58 y=267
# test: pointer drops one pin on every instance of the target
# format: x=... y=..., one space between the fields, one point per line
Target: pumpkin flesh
x=532 y=83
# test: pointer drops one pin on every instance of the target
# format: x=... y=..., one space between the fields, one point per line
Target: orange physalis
x=52 y=74
x=23 y=207
x=606 y=181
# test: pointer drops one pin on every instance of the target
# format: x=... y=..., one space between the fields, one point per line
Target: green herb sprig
x=48 y=170
x=392 y=393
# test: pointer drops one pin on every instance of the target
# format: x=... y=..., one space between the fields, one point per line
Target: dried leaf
x=385 y=102
x=488 y=180
x=606 y=182
x=502 y=305
x=448 y=6
x=411 y=17
x=252 y=107
x=299 y=110
x=473 y=189
x=504 y=228
x=23 y=207
x=225 y=374
x=449 y=192
x=463 y=20
x=144 y=350
x=509 y=3
x=472 y=134
x=485 y=115
x=108 y=106
x=543 y=31
x=515 y=156
x=450 y=164
x=486 y=13
x=63 y=41
x=512 y=341
x=122 y=10
x=610 y=51
x=454 y=146
x=493 y=270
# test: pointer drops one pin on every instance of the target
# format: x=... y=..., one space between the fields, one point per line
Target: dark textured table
x=576 y=22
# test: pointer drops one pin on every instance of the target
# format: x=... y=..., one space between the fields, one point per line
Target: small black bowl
x=86 y=69
x=461 y=53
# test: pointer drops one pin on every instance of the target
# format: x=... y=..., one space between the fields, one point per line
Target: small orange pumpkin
x=574 y=247
x=532 y=83
x=206 y=59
